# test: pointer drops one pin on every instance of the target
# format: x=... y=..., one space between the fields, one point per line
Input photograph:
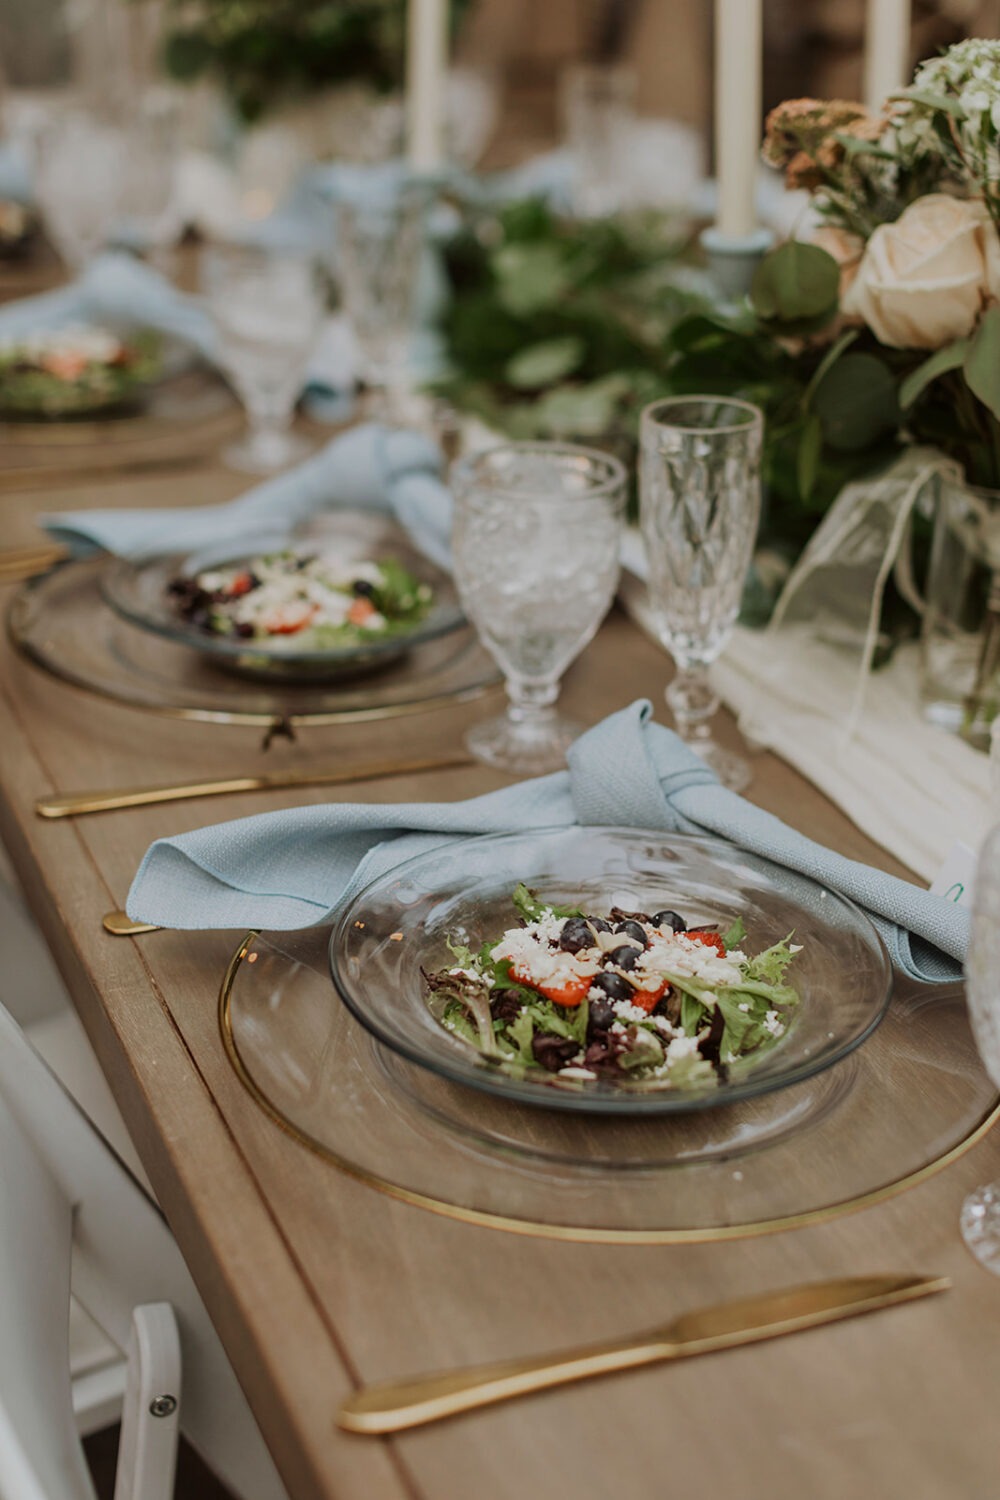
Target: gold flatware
x=395 y=1404
x=20 y=563
x=120 y=924
x=76 y=804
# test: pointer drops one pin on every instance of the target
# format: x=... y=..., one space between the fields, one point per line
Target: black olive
x=553 y=1052
x=614 y=986
x=625 y=957
x=601 y=1015
x=632 y=930
x=663 y=919
x=363 y=588
x=244 y=629
x=599 y=924
x=575 y=935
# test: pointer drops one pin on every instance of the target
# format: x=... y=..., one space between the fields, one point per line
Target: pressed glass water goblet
x=699 y=489
x=535 y=550
x=379 y=250
x=980 y=1220
x=266 y=305
x=81 y=167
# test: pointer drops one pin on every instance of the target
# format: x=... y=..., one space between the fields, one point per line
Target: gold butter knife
x=395 y=1404
x=20 y=563
x=75 y=804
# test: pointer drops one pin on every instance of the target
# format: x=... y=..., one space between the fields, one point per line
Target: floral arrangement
x=268 y=51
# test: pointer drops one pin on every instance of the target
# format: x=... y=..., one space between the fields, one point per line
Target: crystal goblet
x=699 y=489
x=379 y=246
x=535 y=548
x=266 y=305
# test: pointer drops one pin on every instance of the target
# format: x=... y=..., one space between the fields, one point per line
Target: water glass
x=379 y=251
x=81 y=172
x=535 y=550
x=599 y=115
x=267 y=306
x=699 y=505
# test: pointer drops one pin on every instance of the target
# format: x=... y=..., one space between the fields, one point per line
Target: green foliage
x=263 y=51
x=982 y=362
x=857 y=403
x=796 y=286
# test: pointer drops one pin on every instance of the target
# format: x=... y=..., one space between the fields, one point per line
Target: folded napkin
x=295 y=868
x=114 y=288
x=367 y=468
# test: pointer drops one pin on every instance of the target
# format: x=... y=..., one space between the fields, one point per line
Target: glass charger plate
x=140 y=592
x=897 y=1109
x=62 y=624
x=195 y=403
x=399 y=928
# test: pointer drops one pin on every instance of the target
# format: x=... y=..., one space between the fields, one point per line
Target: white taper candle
x=738 y=35
x=426 y=76
x=887 y=50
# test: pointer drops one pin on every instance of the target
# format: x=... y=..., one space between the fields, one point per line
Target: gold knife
x=395 y=1404
x=75 y=804
x=20 y=563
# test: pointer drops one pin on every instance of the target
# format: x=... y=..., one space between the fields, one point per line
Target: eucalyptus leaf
x=531 y=278
x=856 y=401
x=582 y=410
x=944 y=102
x=982 y=362
x=951 y=357
x=544 y=363
x=795 y=281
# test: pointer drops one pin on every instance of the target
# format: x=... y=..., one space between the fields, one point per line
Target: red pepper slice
x=648 y=1000
x=569 y=994
x=710 y=940
x=241 y=584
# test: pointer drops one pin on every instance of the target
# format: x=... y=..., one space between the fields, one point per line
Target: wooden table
x=317 y=1283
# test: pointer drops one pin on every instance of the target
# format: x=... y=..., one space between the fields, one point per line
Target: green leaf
x=582 y=411
x=932 y=100
x=795 y=281
x=836 y=349
x=769 y=967
x=545 y=363
x=530 y=277
x=692 y=1012
x=940 y=362
x=809 y=454
x=856 y=401
x=734 y=935
x=982 y=362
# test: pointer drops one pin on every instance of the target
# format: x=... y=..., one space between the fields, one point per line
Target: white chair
x=63 y=1189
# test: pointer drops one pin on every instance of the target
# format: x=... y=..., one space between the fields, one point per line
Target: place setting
x=502 y=674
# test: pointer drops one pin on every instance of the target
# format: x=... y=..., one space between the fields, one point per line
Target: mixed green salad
x=303 y=602
x=631 y=998
x=74 y=371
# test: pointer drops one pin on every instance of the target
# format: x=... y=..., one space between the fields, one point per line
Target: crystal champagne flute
x=699 y=488
x=535 y=547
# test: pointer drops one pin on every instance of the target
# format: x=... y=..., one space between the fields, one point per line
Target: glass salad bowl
x=156 y=594
x=398 y=930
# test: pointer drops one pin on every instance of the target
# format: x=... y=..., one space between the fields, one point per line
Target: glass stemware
x=535 y=550
x=267 y=306
x=699 y=487
x=980 y=1220
x=81 y=169
x=379 y=251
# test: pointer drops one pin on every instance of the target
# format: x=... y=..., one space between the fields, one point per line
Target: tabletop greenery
x=884 y=329
x=265 y=52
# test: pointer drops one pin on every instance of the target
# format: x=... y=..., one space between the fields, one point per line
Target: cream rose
x=925 y=279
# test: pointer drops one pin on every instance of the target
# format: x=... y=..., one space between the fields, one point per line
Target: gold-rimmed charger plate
x=901 y=1107
x=62 y=624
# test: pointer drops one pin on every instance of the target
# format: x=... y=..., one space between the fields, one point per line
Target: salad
x=74 y=371
x=305 y=602
x=630 y=998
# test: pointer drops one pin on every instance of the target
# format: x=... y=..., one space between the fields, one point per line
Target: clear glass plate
x=140 y=592
x=399 y=925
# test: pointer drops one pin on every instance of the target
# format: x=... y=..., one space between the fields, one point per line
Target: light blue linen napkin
x=295 y=868
x=114 y=288
x=367 y=468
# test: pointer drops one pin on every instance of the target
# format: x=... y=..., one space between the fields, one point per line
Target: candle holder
x=733 y=258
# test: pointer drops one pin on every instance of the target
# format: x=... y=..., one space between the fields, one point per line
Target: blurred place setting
x=500 y=777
